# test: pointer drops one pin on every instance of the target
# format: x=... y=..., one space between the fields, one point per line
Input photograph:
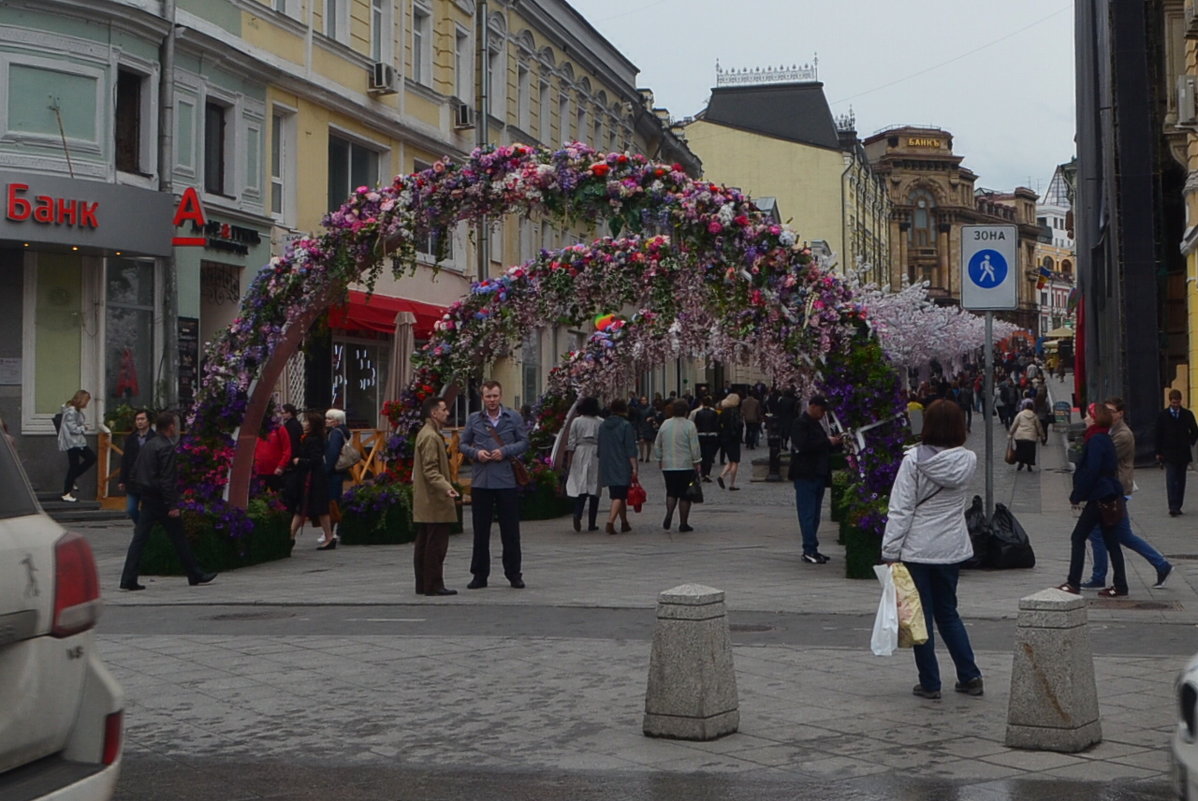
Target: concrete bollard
x=692 y=685
x=1054 y=702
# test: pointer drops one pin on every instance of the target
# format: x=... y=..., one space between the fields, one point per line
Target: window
x=523 y=98
x=422 y=46
x=922 y=219
x=380 y=30
x=359 y=379
x=580 y=130
x=563 y=117
x=336 y=23
x=350 y=165
x=130 y=142
x=430 y=243
x=1043 y=298
x=543 y=103
x=215 y=134
x=463 y=67
x=282 y=165
x=129 y=333
x=498 y=67
x=1067 y=267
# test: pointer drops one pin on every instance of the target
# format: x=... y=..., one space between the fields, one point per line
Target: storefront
x=83 y=265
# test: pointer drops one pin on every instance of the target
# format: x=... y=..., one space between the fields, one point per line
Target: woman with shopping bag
x=926 y=531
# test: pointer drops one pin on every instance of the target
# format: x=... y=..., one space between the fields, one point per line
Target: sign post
x=989 y=283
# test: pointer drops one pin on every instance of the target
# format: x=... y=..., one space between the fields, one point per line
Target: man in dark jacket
x=1176 y=433
x=811 y=470
x=707 y=421
x=156 y=478
x=142 y=431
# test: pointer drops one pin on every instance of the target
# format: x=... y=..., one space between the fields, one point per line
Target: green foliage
x=269 y=539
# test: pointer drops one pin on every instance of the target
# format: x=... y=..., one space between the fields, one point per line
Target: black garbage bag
x=980 y=535
x=1010 y=548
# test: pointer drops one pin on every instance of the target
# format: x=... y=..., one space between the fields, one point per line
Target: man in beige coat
x=434 y=508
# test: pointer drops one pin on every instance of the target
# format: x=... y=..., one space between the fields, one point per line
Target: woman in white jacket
x=1026 y=431
x=926 y=531
x=72 y=440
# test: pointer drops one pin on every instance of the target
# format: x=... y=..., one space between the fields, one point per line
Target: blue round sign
x=987 y=269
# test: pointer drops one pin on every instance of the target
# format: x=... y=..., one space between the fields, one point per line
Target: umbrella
x=400 y=372
x=1059 y=333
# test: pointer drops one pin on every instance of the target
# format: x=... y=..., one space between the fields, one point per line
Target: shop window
x=350 y=165
x=129 y=124
x=129 y=333
x=359 y=379
x=215 y=145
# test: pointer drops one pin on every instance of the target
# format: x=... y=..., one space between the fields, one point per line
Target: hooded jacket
x=926 y=520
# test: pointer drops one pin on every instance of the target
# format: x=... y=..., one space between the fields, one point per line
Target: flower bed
x=268 y=539
x=379 y=512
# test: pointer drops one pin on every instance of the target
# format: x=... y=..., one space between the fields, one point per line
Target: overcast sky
x=997 y=75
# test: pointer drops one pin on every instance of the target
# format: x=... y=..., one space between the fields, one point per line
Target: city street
x=324 y=675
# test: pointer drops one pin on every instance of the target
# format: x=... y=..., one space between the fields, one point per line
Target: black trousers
x=432 y=542
x=79 y=461
x=486 y=503
x=154 y=511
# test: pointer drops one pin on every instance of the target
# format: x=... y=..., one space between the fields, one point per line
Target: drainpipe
x=166 y=157
x=482 y=95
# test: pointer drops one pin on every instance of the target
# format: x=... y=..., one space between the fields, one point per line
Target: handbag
x=694 y=490
x=912 y=628
x=1112 y=511
x=348 y=457
x=1010 y=457
x=637 y=495
x=519 y=471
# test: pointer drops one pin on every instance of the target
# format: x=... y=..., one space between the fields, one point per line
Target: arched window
x=1066 y=267
x=923 y=218
x=1048 y=263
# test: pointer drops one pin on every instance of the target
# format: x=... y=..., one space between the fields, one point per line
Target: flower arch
x=693 y=267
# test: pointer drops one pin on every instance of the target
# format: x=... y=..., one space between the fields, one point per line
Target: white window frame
x=336 y=20
x=148 y=136
x=229 y=173
x=543 y=100
x=497 y=64
x=563 y=117
x=523 y=97
x=422 y=44
x=381 y=31
x=380 y=149
x=463 y=65
x=283 y=141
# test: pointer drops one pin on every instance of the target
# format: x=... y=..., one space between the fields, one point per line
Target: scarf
x=1096 y=429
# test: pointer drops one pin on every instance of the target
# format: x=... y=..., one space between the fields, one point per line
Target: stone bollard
x=692 y=685
x=1054 y=702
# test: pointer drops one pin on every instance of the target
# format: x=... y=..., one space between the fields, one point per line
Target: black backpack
x=57 y=422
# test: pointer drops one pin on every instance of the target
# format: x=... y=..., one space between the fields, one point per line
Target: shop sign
x=210 y=235
x=66 y=211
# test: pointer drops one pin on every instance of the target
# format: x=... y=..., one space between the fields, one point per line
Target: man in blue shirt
x=491 y=439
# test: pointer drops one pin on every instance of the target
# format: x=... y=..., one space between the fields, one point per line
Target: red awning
x=377 y=313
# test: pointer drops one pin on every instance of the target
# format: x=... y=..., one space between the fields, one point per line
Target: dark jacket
x=154 y=475
x=1175 y=437
x=337 y=437
x=617 y=451
x=731 y=426
x=476 y=436
x=1097 y=475
x=707 y=421
x=810 y=450
x=133 y=446
x=295 y=430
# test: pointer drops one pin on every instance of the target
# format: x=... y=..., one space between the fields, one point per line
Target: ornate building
x=932 y=196
x=1055 y=257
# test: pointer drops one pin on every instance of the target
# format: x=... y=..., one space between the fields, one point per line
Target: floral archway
x=693 y=268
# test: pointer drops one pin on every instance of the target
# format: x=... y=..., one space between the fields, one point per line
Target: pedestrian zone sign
x=989 y=267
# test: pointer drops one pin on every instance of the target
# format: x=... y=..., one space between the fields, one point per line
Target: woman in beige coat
x=434 y=507
x=1026 y=431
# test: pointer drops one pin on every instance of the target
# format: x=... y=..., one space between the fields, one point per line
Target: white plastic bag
x=886 y=624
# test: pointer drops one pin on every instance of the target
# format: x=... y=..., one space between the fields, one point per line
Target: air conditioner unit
x=383 y=79
x=463 y=115
x=1187 y=101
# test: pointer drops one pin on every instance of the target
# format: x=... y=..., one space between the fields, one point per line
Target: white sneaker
x=321 y=541
x=69 y=498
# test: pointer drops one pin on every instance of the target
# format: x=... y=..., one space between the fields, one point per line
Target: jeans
x=809 y=499
x=80 y=460
x=506 y=503
x=1090 y=518
x=1175 y=484
x=1126 y=540
x=132 y=502
x=937 y=585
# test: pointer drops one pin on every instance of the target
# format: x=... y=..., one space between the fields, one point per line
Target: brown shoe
x=624 y=527
x=611 y=529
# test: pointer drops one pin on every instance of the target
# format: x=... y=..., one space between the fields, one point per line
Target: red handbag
x=636 y=495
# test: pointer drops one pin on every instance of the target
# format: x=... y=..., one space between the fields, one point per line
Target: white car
x=1185 y=737
x=60 y=710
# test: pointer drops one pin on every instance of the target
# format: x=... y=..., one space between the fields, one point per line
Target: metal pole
x=482 y=95
x=988 y=411
x=169 y=374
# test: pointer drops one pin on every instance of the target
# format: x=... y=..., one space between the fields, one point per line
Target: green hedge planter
x=862 y=550
x=269 y=540
x=841 y=479
x=391 y=527
x=544 y=503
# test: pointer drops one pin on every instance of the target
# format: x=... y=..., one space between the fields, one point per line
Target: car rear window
x=16 y=498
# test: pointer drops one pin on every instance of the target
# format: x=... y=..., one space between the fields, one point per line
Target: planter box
x=544 y=504
x=862 y=550
x=214 y=550
x=391 y=527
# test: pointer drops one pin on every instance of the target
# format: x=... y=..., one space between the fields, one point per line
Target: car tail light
x=113 y=728
x=1187 y=698
x=76 y=586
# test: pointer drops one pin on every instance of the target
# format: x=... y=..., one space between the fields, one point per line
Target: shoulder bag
x=518 y=469
x=348 y=456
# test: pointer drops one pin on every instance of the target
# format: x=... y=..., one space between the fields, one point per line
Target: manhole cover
x=1115 y=603
x=751 y=628
x=252 y=616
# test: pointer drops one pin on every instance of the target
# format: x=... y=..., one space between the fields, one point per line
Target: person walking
x=707 y=424
x=964 y=399
x=1096 y=480
x=786 y=409
x=72 y=440
x=272 y=456
x=434 y=500
x=811 y=449
x=141 y=434
x=491 y=439
x=926 y=531
x=750 y=412
x=731 y=428
x=647 y=432
x=337 y=433
x=295 y=429
x=1176 y=433
x=1125 y=452
x=617 y=463
x=1026 y=431
x=308 y=483
x=677 y=453
x=155 y=478
x=582 y=462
